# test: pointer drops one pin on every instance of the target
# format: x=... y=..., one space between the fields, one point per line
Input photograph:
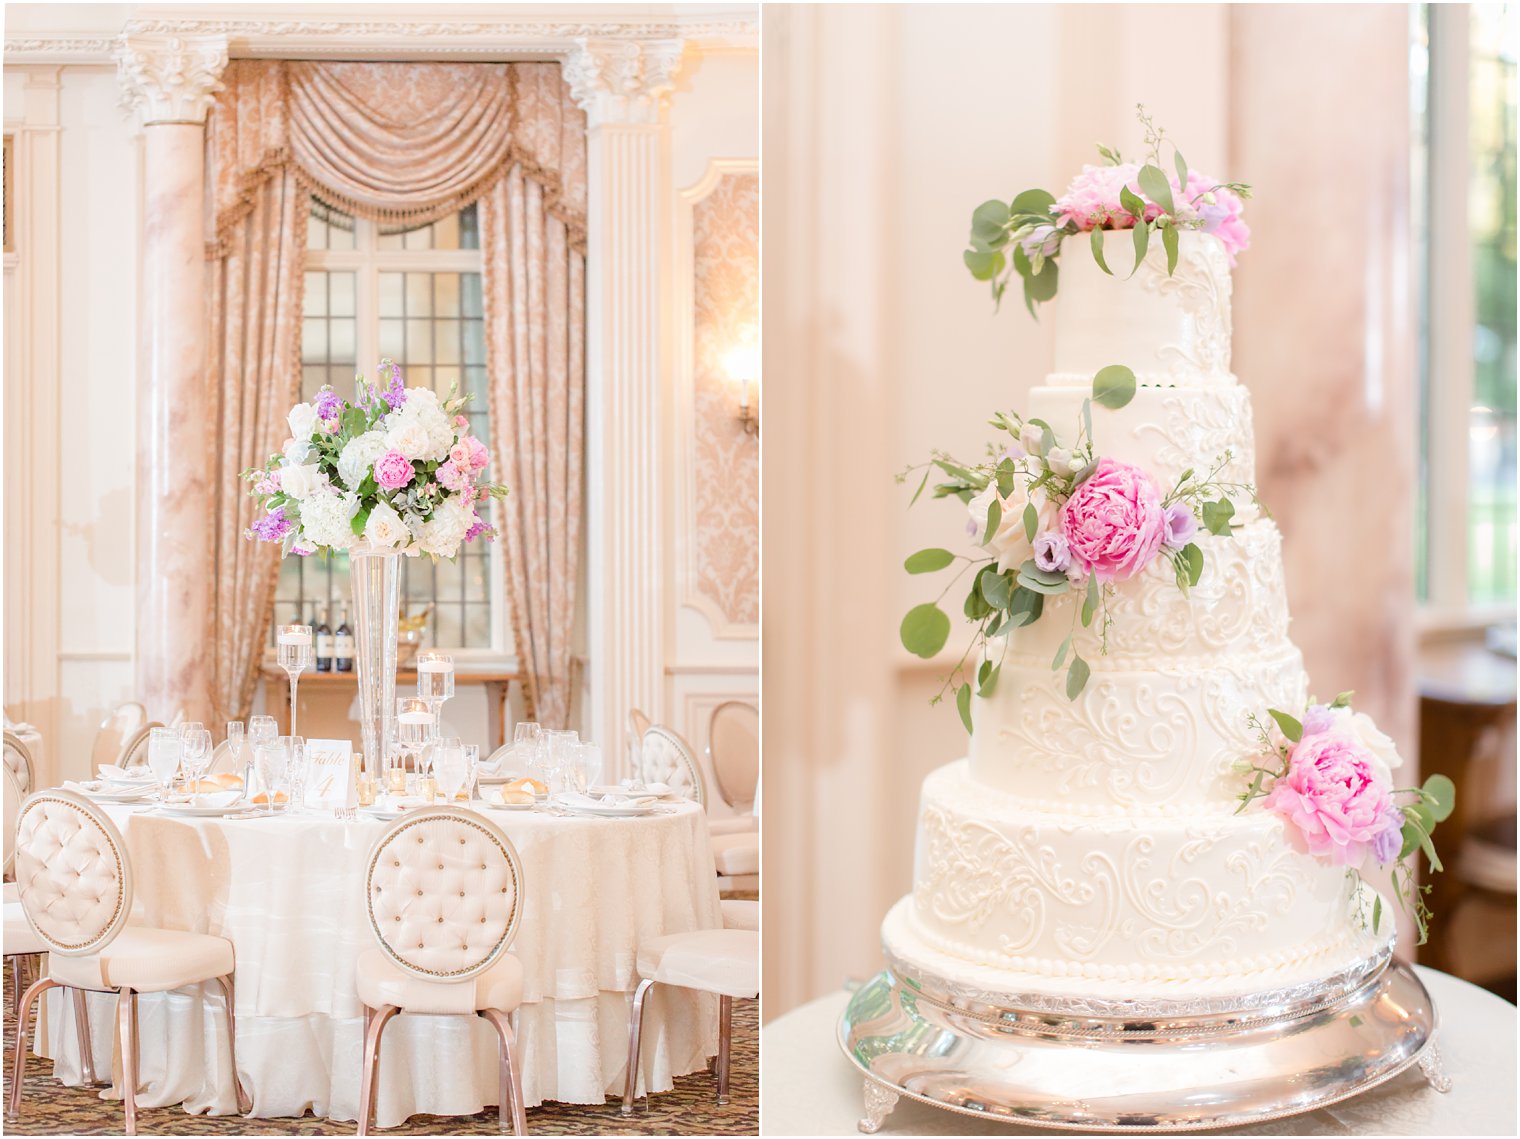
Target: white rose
x=410 y=437
x=297 y=451
x=327 y=519
x=1367 y=733
x=358 y=457
x=302 y=420
x=1031 y=436
x=1059 y=459
x=979 y=506
x=385 y=530
x=1011 y=540
x=301 y=482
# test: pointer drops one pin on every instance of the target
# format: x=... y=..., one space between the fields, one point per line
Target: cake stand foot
x=879 y=1104
x=1433 y=1070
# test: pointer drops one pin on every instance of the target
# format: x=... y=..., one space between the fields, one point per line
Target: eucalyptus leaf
x=1169 y=241
x=976 y=607
x=1090 y=602
x=1024 y=607
x=922 y=483
x=984 y=266
x=963 y=705
x=988 y=686
x=1036 y=583
x=1430 y=852
x=1132 y=203
x=1441 y=795
x=1412 y=835
x=1061 y=652
x=1006 y=475
x=1142 y=243
x=997 y=589
x=981 y=673
x=1182 y=171
x=1421 y=815
x=1156 y=187
x=1033 y=202
x=1292 y=730
x=925 y=630
x=1087 y=418
x=1113 y=386
x=1377 y=911
x=1217 y=515
x=1193 y=556
x=989 y=220
x=1097 y=251
x=1076 y=677
x=928 y=561
x=994 y=520
x=1042 y=285
x=1031 y=520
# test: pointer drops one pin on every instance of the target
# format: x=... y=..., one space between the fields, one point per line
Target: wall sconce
x=743 y=367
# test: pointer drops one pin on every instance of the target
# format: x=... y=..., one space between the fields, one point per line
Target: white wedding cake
x=1092 y=846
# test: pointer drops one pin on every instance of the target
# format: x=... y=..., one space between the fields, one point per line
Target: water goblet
x=435 y=682
x=295 y=655
x=525 y=737
x=165 y=750
x=414 y=727
x=271 y=762
x=197 y=753
x=451 y=770
x=587 y=767
x=561 y=744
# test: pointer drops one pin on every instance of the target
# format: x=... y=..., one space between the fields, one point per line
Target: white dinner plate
x=188 y=811
x=495 y=806
x=608 y=810
x=108 y=793
x=652 y=790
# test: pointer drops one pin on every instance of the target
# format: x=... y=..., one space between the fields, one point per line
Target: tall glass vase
x=376 y=579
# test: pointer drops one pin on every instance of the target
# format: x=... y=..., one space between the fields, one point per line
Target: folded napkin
x=638 y=787
x=97 y=787
x=118 y=774
x=576 y=799
x=214 y=798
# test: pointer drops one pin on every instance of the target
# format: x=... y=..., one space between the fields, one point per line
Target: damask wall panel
x=726 y=316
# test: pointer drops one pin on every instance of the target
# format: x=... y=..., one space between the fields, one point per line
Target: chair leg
x=369 y=1091
x=126 y=1017
x=725 y=1044
x=23 y=1028
x=635 y=1040
x=511 y=1088
x=244 y=1104
x=86 y=1048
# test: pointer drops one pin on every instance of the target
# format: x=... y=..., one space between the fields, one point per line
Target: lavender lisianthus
x=272 y=527
x=1043 y=240
x=1319 y=718
x=1051 y=553
x=1179 y=526
x=1387 y=843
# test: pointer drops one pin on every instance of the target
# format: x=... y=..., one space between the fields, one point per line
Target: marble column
x=621 y=85
x=169 y=81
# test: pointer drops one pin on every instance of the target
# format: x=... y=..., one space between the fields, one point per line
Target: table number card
x=329 y=774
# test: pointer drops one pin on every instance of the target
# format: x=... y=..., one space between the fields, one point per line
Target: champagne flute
x=165 y=750
x=435 y=682
x=472 y=767
x=294 y=642
x=235 y=742
x=295 y=767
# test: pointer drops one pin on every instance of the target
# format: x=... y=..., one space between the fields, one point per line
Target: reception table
x=288 y=892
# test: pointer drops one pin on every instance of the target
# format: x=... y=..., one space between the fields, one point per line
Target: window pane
x=1491 y=434
x=469 y=227
x=341 y=294
x=446 y=232
x=392 y=302
x=342 y=333
x=314 y=341
x=419 y=294
x=470 y=297
x=392 y=340
x=314 y=298
x=446 y=294
x=419 y=341
x=474 y=342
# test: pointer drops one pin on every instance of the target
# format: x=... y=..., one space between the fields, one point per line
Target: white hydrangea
x=420 y=428
x=385 y=530
x=358 y=457
x=442 y=533
x=327 y=519
x=301 y=482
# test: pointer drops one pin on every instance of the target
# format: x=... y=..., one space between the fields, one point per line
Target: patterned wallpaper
x=726 y=245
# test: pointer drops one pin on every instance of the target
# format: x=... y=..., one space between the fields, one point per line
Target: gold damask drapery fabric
x=401 y=143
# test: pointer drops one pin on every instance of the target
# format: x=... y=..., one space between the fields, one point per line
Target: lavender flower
x=1318 y=719
x=1051 y=553
x=395 y=392
x=327 y=402
x=1179 y=526
x=1043 y=240
x=272 y=527
x=1387 y=843
x=477 y=530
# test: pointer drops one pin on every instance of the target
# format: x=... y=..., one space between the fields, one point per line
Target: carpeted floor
x=49 y=1108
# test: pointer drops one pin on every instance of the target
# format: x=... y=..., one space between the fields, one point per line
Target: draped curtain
x=403 y=143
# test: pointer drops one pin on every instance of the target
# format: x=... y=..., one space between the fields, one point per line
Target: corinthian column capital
x=170 y=79
x=622 y=81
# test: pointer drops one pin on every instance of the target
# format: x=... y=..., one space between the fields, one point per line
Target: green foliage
x=1440 y=795
x=1090 y=602
x=925 y=630
x=1155 y=186
x=994 y=520
x=1142 y=243
x=963 y=705
x=1076 y=677
x=1169 y=243
x=1031 y=520
x=1291 y=729
x=928 y=561
x=1096 y=241
x=997 y=588
x=1024 y=607
x=984 y=264
x=1113 y=386
x=1216 y=516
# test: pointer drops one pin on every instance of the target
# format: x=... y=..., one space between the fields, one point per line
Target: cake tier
x=1165 y=431
x=1170 y=329
x=1152 y=903
x=1156 y=737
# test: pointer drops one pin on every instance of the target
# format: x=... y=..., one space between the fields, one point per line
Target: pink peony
x=453 y=476
x=393 y=470
x=1220 y=217
x=1092 y=199
x=1335 y=797
x=479 y=456
x=1114 y=523
x=461 y=421
x=459 y=453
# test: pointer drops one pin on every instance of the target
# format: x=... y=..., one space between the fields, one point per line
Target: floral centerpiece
x=397 y=470
x=1329 y=775
x=1024 y=236
x=1054 y=519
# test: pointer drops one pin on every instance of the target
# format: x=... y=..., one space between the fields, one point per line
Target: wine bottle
x=343 y=655
x=326 y=650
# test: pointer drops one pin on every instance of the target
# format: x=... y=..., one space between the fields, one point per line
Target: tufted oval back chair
x=733 y=736
x=13 y=797
x=664 y=757
x=134 y=752
x=72 y=873
x=444 y=892
x=124 y=722
x=18 y=760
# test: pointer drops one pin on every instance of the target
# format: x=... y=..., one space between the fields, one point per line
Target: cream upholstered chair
x=664 y=757
x=444 y=894
x=638 y=724
x=224 y=761
x=76 y=892
x=721 y=961
x=124 y=722
x=733 y=745
x=18 y=761
x=740 y=914
x=134 y=752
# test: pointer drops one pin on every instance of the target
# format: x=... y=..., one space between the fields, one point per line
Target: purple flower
x=272 y=527
x=1042 y=239
x=477 y=530
x=1318 y=719
x=1387 y=843
x=1014 y=451
x=1180 y=526
x=327 y=402
x=1051 y=552
x=395 y=392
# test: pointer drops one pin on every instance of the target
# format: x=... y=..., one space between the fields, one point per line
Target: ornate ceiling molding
x=622 y=81
x=170 y=79
x=360 y=38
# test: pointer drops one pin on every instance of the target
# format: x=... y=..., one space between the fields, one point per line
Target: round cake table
x=287 y=891
x=810 y=1088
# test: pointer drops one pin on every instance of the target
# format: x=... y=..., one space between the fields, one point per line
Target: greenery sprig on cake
x=1024 y=237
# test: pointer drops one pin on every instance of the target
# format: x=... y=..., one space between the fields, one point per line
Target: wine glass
x=262 y=728
x=587 y=767
x=435 y=682
x=450 y=768
x=560 y=745
x=165 y=750
x=294 y=642
x=271 y=761
x=524 y=738
x=189 y=726
x=414 y=727
x=197 y=753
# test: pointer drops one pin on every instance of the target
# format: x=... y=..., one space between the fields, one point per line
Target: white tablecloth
x=288 y=893
x=810 y=1088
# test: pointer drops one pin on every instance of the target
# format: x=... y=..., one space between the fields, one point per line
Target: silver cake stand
x=1124 y=1065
